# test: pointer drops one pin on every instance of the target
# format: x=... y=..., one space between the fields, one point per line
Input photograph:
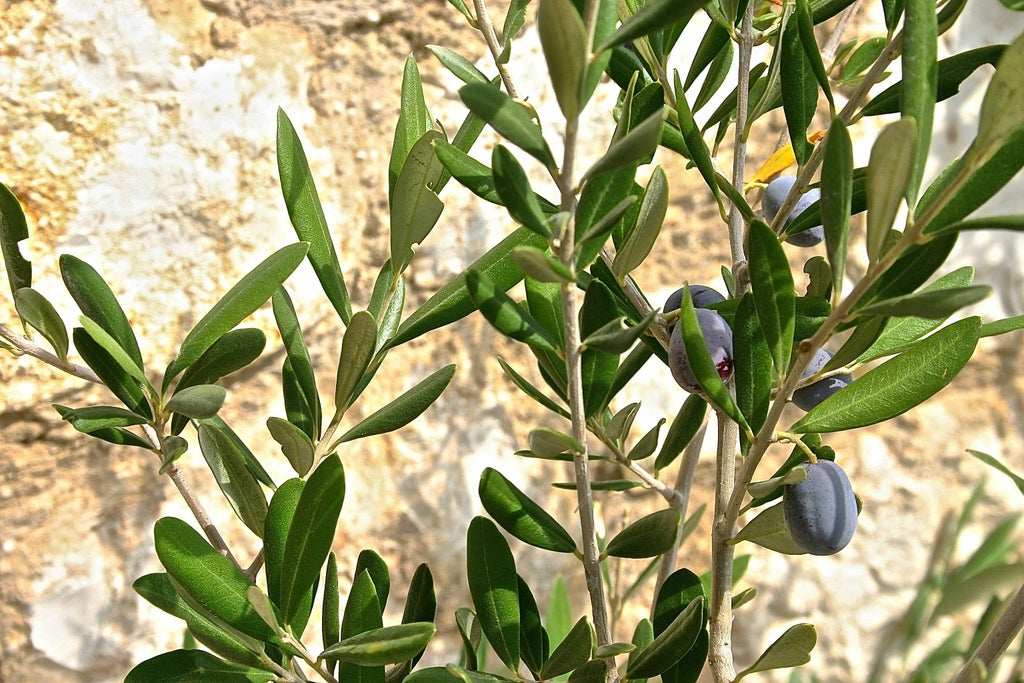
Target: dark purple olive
x=717 y=339
x=775 y=194
x=809 y=396
x=702 y=296
x=821 y=510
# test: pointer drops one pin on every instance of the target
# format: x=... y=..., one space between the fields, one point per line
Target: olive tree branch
x=30 y=348
x=1006 y=628
x=486 y=27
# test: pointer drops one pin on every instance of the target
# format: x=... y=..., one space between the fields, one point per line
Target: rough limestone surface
x=139 y=135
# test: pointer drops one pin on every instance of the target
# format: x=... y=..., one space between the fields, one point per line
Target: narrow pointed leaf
x=635 y=146
x=280 y=516
x=793 y=648
x=771 y=282
x=799 y=91
x=453 y=302
x=386 y=645
x=917 y=98
x=13 y=229
x=463 y=69
x=574 y=650
x=494 y=587
x=933 y=305
x=330 y=614
x=415 y=206
x=310 y=534
x=534 y=644
x=37 y=311
x=116 y=354
x=514 y=189
x=298 y=355
x=993 y=462
x=541 y=265
x=505 y=314
x=684 y=427
x=413 y=121
x=307 y=215
x=357 y=349
x=648 y=536
x=255 y=288
x=95 y=299
x=519 y=515
x=753 y=362
x=671 y=644
x=403 y=409
x=653 y=207
x=362 y=615
x=236 y=482
x=836 y=198
x=295 y=444
x=194 y=666
x=1002 y=110
x=94 y=418
x=768 y=530
x=211 y=579
x=653 y=16
x=899 y=384
x=697 y=149
x=509 y=118
x=889 y=174
x=563 y=39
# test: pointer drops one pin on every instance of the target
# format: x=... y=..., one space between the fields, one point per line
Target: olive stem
x=486 y=27
x=1006 y=628
x=30 y=348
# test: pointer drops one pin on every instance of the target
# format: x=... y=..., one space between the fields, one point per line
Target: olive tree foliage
x=571 y=245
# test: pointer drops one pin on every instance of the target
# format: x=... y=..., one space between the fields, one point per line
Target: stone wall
x=140 y=136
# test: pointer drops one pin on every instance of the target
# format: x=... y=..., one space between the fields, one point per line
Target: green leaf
x=768 y=530
x=514 y=189
x=919 y=92
x=307 y=215
x=1013 y=222
x=330 y=617
x=933 y=305
x=158 y=590
x=703 y=367
x=232 y=352
x=837 y=198
x=295 y=444
x=239 y=486
x=452 y=302
x=529 y=389
x=210 y=579
x=463 y=69
x=753 y=362
x=679 y=590
x=280 y=516
x=541 y=265
x=110 y=372
x=310 y=534
x=514 y=20
x=671 y=644
x=298 y=357
x=653 y=207
x=194 y=666
x=415 y=206
x=251 y=463
x=96 y=301
x=413 y=121
x=509 y=118
x=771 y=282
x=950 y=75
x=95 y=418
x=403 y=409
x=519 y=515
x=653 y=16
x=494 y=587
x=357 y=349
x=697 y=149
x=637 y=145
x=899 y=384
x=115 y=353
x=1002 y=110
x=805 y=24
x=648 y=536
x=889 y=174
x=910 y=270
x=793 y=648
x=572 y=652
x=387 y=645
x=13 y=229
x=236 y=305
x=375 y=565
x=996 y=464
x=720 y=69
x=563 y=38
x=684 y=427
x=534 y=643
x=645 y=446
x=198 y=402
x=799 y=91
x=36 y=310
x=505 y=314
x=362 y=614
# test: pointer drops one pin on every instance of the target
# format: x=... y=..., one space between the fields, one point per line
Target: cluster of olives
x=820 y=511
